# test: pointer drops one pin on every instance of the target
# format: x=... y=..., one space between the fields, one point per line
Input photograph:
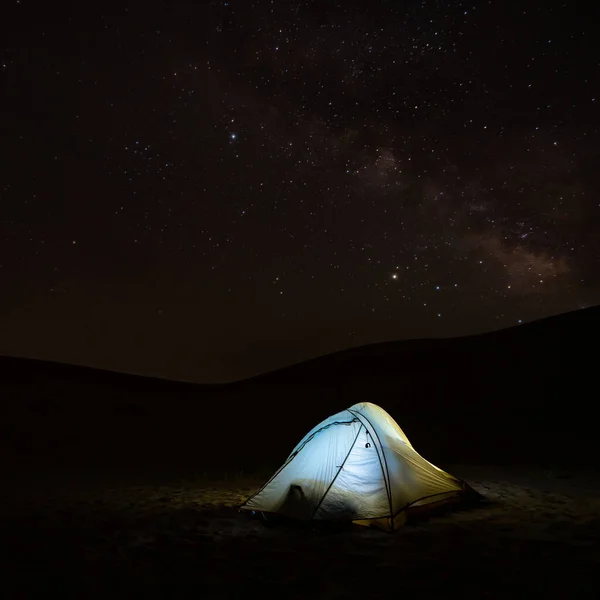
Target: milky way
x=207 y=192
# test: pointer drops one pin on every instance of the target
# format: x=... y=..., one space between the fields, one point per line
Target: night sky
x=205 y=191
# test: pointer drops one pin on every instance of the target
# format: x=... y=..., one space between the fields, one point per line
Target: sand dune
x=514 y=396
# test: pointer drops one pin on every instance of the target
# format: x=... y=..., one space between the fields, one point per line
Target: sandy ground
x=166 y=536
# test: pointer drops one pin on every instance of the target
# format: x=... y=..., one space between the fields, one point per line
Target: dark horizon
x=209 y=192
x=275 y=357
x=548 y=333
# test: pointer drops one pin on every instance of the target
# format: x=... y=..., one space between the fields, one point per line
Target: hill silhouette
x=515 y=395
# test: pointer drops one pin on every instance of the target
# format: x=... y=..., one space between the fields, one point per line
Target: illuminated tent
x=357 y=465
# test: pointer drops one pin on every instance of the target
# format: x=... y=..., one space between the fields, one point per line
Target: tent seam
x=386 y=477
x=338 y=472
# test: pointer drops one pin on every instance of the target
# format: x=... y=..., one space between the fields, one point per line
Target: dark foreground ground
x=78 y=535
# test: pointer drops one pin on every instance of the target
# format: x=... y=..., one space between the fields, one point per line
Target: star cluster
x=206 y=191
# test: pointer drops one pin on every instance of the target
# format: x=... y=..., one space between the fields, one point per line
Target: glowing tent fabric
x=357 y=465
